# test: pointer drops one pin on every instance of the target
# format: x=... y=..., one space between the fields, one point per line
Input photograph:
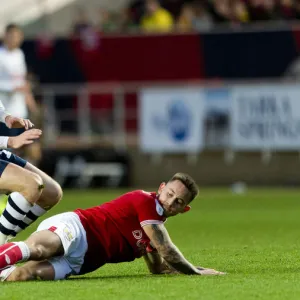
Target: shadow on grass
x=112 y=277
x=235 y=272
x=109 y=277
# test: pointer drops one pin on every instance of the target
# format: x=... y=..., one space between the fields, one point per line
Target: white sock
x=24 y=250
x=34 y=213
x=16 y=208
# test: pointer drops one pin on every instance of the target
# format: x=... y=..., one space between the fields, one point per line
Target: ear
x=186 y=209
x=161 y=187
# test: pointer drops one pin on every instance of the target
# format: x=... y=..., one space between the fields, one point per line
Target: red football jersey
x=115 y=229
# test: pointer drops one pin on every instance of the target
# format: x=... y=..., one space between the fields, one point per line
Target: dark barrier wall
x=158 y=58
x=248 y=55
x=85 y=168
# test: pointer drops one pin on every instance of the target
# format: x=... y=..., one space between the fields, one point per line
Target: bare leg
x=39 y=246
x=44 y=244
x=52 y=192
x=50 y=196
x=27 y=189
x=17 y=179
x=33 y=270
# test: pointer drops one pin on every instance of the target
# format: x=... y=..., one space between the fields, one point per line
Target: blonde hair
x=188 y=182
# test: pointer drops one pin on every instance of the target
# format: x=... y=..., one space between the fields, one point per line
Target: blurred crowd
x=187 y=15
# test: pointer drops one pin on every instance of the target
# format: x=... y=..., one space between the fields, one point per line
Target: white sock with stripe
x=16 y=208
x=34 y=213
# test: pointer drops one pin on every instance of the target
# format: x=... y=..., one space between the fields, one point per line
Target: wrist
x=10 y=142
x=198 y=272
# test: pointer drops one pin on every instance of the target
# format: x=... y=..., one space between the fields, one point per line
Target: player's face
x=14 y=38
x=174 y=197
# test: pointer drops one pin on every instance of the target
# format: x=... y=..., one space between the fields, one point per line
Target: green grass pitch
x=253 y=237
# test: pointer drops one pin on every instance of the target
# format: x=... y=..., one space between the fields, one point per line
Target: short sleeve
x=149 y=210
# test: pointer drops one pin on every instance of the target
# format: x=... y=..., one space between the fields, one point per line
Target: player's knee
x=38 y=252
x=37 y=182
x=33 y=187
x=56 y=193
x=51 y=195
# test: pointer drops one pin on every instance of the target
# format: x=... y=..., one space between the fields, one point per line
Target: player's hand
x=209 y=272
x=15 y=122
x=26 y=138
x=202 y=271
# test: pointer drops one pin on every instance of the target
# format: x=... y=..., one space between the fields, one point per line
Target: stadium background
x=91 y=84
x=90 y=91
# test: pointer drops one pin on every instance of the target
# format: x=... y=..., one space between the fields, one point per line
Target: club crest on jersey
x=137 y=234
x=159 y=208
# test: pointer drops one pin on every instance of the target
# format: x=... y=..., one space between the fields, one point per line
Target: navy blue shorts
x=5 y=131
x=7 y=157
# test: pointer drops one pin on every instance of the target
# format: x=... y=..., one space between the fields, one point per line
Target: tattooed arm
x=167 y=250
x=157 y=265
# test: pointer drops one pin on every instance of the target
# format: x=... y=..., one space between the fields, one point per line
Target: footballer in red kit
x=128 y=227
x=122 y=238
